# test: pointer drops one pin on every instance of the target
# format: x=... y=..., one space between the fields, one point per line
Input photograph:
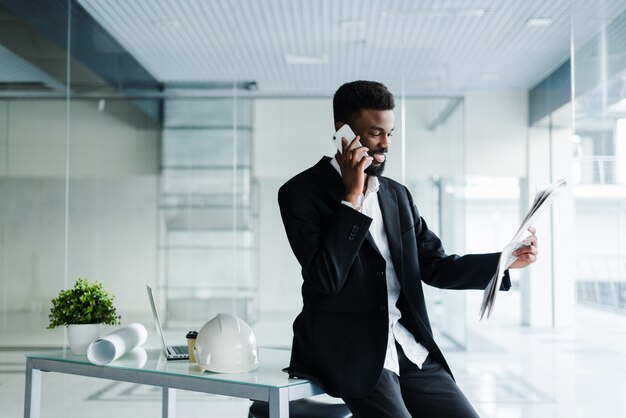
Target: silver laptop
x=172 y=352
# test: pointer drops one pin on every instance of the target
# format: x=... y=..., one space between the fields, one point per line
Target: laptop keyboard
x=179 y=349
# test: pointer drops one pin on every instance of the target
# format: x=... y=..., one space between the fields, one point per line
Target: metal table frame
x=278 y=397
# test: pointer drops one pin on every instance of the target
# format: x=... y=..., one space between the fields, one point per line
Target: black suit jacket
x=340 y=337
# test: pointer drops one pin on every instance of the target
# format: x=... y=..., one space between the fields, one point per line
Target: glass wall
x=599 y=149
x=207 y=214
x=34 y=141
x=110 y=173
x=435 y=171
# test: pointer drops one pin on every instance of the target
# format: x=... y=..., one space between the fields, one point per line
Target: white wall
x=112 y=201
x=495 y=131
x=437 y=152
x=290 y=135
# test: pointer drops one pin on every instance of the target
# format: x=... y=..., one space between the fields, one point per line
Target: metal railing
x=601 y=281
x=596 y=169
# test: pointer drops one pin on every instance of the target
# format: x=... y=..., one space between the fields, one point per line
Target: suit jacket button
x=351 y=237
x=382 y=308
x=381 y=274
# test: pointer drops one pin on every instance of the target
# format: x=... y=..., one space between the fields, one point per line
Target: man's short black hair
x=351 y=97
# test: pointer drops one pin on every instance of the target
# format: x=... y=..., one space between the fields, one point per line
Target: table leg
x=279 y=403
x=169 y=403
x=32 y=395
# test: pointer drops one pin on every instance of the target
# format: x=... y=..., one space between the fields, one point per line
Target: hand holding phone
x=346 y=132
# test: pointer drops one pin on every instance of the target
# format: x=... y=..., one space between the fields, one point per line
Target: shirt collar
x=372 y=183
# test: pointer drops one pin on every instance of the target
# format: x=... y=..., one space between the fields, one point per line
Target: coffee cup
x=191 y=342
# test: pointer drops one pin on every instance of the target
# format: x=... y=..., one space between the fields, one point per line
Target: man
x=363 y=333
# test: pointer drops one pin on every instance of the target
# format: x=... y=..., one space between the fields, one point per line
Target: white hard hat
x=226 y=344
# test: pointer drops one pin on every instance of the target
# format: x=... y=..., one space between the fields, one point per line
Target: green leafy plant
x=86 y=303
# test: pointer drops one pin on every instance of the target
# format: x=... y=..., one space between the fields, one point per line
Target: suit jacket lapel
x=330 y=180
x=389 y=208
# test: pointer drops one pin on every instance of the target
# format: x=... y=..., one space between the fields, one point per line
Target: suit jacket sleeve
x=325 y=250
x=472 y=271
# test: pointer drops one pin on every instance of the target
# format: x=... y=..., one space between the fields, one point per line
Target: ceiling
x=298 y=47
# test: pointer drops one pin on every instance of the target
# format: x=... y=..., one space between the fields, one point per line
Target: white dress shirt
x=414 y=351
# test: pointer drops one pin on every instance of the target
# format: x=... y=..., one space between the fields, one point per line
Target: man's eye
x=390 y=134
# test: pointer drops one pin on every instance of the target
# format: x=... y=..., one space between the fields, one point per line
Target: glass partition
x=598 y=145
x=206 y=210
x=599 y=149
x=34 y=187
x=112 y=173
x=34 y=111
x=119 y=177
x=434 y=171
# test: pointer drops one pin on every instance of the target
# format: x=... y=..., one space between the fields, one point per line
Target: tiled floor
x=508 y=371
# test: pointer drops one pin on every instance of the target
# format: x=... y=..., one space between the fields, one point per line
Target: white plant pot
x=81 y=335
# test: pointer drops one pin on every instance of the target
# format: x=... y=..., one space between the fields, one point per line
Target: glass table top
x=152 y=360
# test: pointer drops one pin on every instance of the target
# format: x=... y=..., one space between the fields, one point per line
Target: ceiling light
x=539 y=22
x=434 y=12
x=490 y=76
x=471 y=12
x=299 y=59
x=352 y=24
x=166 y=23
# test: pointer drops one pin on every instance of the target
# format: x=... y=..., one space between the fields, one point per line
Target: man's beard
x=376 y=170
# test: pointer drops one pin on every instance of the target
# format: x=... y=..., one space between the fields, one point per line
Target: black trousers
x=426 y=392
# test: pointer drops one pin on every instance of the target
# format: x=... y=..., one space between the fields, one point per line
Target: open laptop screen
x=157 y=321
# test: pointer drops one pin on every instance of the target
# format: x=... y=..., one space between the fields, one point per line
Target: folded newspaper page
x=543 y=200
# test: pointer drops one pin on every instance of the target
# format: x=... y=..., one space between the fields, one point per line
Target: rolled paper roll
x=135 y=359
x=114 y=345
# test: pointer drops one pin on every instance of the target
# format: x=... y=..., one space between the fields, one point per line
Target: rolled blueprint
x=114 y=345
x=134 y=359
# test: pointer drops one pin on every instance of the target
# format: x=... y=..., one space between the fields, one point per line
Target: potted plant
x=82 y=309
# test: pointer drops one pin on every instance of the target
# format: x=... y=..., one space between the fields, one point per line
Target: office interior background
x=144 y=142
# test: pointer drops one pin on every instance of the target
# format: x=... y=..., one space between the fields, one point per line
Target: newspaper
x=543 y=200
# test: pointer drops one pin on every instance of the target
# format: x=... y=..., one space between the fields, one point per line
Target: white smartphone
x=346 y=132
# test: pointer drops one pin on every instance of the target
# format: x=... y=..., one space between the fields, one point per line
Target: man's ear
x=338 y=124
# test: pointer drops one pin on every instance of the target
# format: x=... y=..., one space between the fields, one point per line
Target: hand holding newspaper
x=543 y=200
